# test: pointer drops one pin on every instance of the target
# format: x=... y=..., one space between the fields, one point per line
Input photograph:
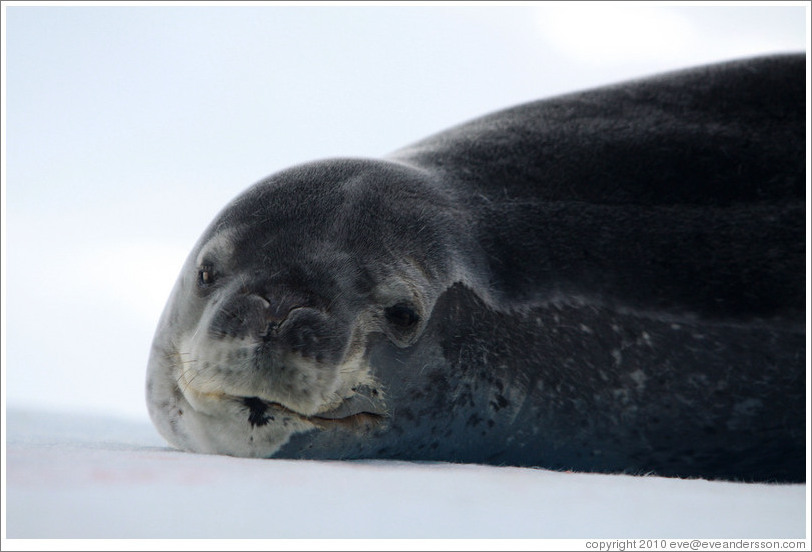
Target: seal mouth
x=346 y=416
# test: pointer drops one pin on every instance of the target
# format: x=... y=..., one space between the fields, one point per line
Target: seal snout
x=251 y=315
x=312 y=334
x=276 y=313
x=284 y=323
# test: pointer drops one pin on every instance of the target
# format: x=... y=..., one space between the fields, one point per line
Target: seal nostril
x=272 y=328
x=277 y=312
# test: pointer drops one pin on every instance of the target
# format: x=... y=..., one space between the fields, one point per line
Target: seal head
x=267 y=329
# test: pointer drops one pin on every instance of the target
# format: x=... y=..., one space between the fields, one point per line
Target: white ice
x=74 y=476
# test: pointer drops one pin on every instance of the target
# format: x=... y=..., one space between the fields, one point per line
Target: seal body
x=609 y=281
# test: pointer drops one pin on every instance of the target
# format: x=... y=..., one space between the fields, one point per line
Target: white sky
x=128 y=128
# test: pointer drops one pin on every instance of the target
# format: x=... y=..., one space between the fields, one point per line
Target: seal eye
x=401 y=316
x=205 y=276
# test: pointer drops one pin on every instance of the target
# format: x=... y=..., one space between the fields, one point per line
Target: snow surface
x=77 y=476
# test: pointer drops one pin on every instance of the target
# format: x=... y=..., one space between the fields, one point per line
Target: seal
x=606 y=281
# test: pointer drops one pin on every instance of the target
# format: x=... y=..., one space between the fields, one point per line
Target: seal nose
x=272 y=325
x=277 y=311
x=252 y=314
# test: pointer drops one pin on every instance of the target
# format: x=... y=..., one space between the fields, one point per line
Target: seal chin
x=355 y=413
x=363 y=409
x=246 y=412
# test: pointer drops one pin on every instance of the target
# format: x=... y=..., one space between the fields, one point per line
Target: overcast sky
x=128 y=128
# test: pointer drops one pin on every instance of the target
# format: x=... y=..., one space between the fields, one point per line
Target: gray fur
x=605 y=281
